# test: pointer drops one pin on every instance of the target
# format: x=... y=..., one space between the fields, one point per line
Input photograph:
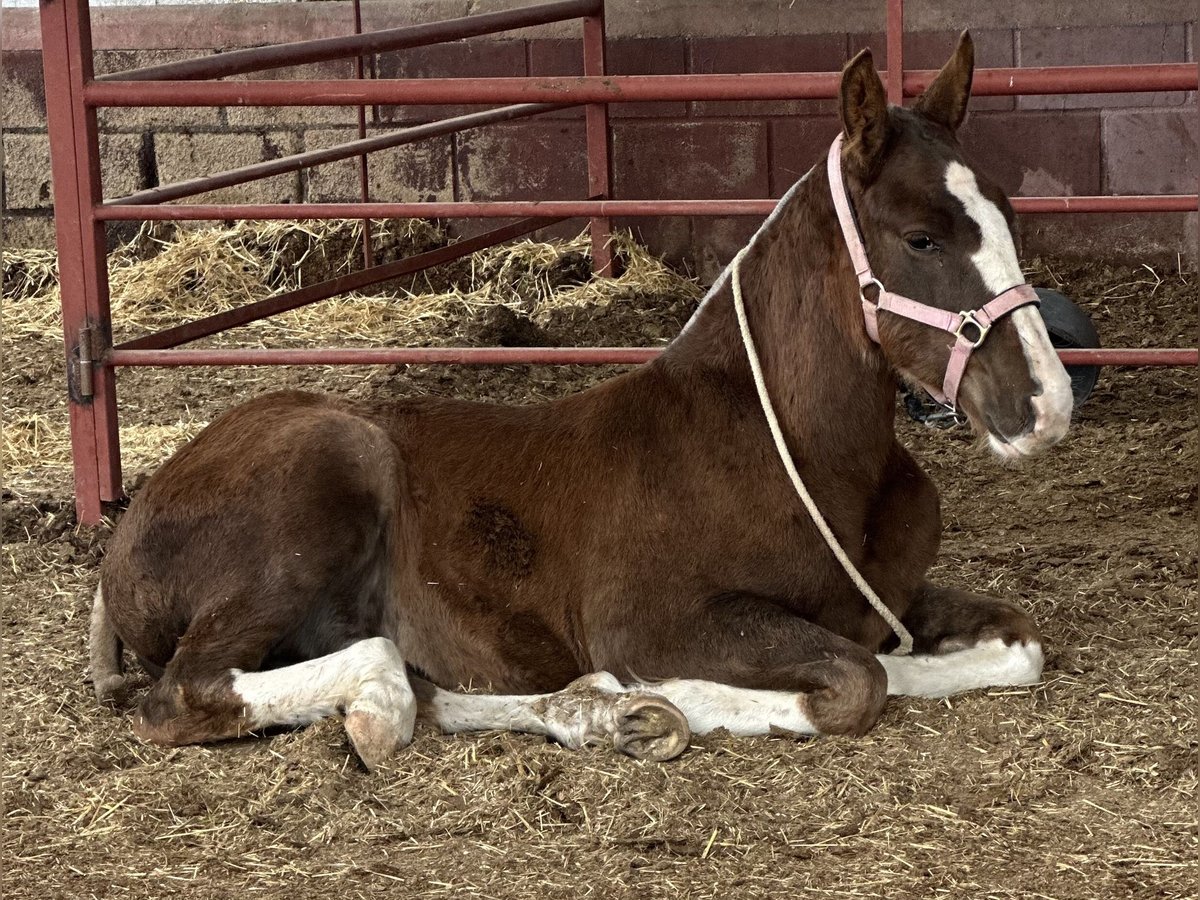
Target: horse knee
x=852 y=698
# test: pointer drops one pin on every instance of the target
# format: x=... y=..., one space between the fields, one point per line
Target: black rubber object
x=1070 y=327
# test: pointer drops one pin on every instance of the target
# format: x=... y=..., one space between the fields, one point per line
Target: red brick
x=228 y=25
x=1034 y=153
x=523 y=161
x=667 y=236
x=28 y=230
x=181 y=156
x=460 y=59
x=410 y=173
x=647 y=56
x=26 y=177
x=24 y=95
x=27 y=182
x=797 y=144
x=1083 y=46
x=552 y=57
x=1151 y=151
x=152 y=117
x=1119 y=238
x=376 y=16
x=781 y=53
x=690 y=160
x=715 y=241
x=628 y=56
x=282 y=116
x=994 y=49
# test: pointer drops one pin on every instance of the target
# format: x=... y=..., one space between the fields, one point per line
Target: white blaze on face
x=996 y=261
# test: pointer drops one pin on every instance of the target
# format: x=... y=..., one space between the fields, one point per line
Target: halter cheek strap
x=969 y=328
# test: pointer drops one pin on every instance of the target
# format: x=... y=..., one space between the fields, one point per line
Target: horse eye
x=921 y=242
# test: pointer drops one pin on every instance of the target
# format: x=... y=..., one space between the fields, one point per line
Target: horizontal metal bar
x=353 y=356
x=1121 y=356
x=615 y=88
x=1116 y=203
x=253 y=59
x=296 y=161
x=488 y=356
x=471 y=209
x=578 y=208
x=424 y=91
x=1069 y=80
x=353 y=281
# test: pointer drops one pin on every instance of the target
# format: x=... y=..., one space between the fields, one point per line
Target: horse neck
x=832 y=391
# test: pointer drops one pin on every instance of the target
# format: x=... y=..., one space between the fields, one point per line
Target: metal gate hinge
x=86 y=360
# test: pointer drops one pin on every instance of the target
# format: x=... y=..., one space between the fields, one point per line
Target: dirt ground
x=1081 y=787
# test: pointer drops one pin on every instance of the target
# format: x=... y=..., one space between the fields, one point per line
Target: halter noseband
x=969 y=328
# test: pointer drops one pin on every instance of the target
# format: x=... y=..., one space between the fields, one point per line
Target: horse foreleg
x=964 y=641
x=590 y=711
x=749 y=665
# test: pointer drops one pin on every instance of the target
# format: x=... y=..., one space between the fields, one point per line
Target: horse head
x=937 y=230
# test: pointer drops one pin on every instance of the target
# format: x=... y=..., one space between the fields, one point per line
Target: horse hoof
x=110 y=690
x=374 y=738
x=650 y=727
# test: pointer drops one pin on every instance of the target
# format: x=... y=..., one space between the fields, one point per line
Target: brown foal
x=306 y=555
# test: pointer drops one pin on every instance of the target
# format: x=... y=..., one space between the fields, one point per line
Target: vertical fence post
x=599 y=166
x=82 y=256
x=364 y=175
x=895 y=52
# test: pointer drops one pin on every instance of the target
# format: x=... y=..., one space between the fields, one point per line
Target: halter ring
x=968 y=318
x=863 y=287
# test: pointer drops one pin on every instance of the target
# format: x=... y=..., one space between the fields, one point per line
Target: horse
x=633 y=563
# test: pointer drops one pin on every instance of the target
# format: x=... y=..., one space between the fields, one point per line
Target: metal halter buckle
x=862 y=287
x=968 y=318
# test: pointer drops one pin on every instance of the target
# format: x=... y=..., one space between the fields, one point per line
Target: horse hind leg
x=105 y=651
x=366 y=680
x=591 y=711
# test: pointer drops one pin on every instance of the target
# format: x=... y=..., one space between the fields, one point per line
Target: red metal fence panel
x=73 y=95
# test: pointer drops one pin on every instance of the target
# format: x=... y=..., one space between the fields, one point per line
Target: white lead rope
x=906 y=641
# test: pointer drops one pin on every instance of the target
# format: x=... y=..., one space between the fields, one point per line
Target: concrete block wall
x=1091 y=144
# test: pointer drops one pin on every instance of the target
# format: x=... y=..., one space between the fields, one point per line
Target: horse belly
x=483 y=598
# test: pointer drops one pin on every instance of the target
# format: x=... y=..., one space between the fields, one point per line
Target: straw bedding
x=1083 y=787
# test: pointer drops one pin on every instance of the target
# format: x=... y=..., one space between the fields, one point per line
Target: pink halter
x=969 y=328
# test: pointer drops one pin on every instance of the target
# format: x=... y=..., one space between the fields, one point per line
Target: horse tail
x=108 y=679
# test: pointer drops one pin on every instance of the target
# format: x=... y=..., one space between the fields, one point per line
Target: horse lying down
x=634 y=563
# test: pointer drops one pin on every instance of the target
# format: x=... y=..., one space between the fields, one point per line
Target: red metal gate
x=73 y=94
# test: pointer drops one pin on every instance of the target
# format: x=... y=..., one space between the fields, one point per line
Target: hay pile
x=164 y=277
x=522 y=293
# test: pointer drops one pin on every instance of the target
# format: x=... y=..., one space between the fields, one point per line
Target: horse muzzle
x=1049 y=408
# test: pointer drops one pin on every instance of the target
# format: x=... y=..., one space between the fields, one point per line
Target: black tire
x=1070 y=327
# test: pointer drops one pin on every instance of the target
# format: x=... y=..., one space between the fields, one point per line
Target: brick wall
x=1093 y=144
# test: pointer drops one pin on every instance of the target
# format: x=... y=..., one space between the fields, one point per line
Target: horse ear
x=864 y=113
x=945 y=101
